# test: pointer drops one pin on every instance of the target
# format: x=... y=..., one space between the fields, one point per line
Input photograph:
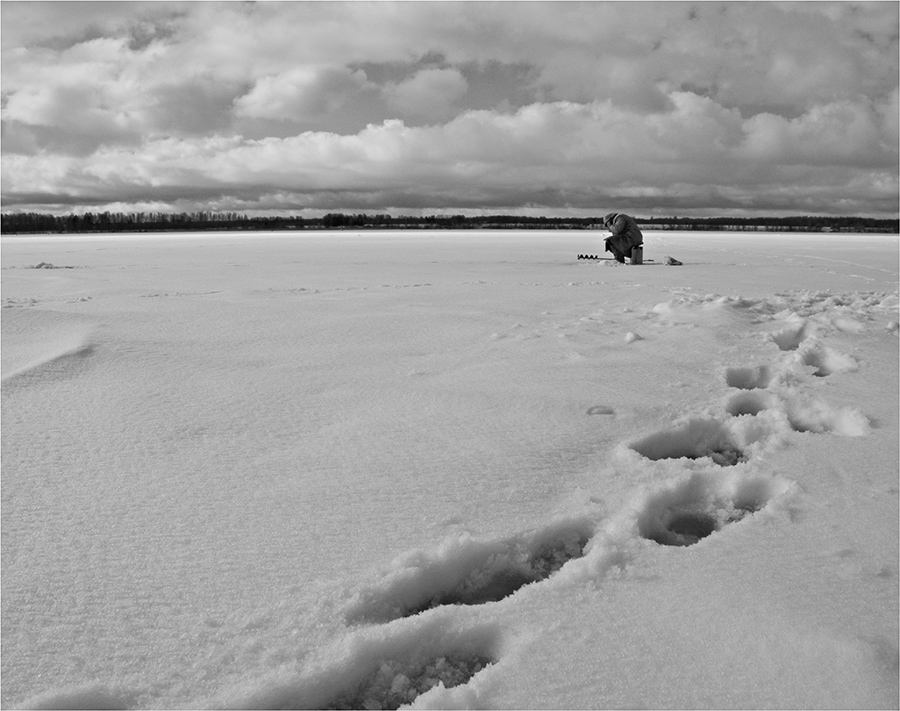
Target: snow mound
x=811 y=415
x=46 y=265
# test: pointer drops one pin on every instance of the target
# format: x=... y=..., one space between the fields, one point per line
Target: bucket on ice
x=637 y=255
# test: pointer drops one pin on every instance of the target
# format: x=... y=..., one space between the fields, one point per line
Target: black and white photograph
x=450 y=355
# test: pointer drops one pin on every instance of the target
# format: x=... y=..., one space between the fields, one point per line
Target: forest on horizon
x=34 y=222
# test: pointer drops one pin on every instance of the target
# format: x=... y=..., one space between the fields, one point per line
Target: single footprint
x=694 y=439
x=378 y=668
x=789 y=339
x=468 y=571
x=703 y=504
x=748 y=378
x=396 y=683
x=826 y=361
x=750 y=403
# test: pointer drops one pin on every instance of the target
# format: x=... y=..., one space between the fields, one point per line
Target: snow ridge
x=60 y=360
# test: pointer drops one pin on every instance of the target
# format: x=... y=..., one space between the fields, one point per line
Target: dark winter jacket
x=625 y=232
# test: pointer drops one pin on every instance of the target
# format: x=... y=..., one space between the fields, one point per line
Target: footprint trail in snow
x=715 y=477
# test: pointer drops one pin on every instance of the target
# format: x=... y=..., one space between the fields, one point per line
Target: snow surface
x=458 y=469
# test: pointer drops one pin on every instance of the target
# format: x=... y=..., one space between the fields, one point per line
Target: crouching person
x=625 y=235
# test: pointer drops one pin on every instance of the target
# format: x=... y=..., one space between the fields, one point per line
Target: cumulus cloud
x=304 y=93
x=76 y=96
x=651 y=106
x=557 y=154
x=431 y=93
x=838 y=133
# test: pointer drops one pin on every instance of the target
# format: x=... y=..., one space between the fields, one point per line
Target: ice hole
x=748 y=378
x=693 y=440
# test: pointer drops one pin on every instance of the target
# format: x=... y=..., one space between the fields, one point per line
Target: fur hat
x=610 y=217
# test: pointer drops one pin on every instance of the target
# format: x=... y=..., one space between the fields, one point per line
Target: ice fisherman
x=625 y=235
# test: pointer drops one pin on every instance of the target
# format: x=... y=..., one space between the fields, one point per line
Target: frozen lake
x=324 y=469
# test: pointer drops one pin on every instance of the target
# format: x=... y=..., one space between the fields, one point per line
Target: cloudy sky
x=557 y=108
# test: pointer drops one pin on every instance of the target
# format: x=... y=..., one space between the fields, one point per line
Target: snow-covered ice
x=452 y=469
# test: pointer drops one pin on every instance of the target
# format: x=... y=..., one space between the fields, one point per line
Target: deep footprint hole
x=702 y=506
x=749 y=403
x=468 y=571
x=685 y=529
x=498 y=586
x=748 y=378
x=816 y=360
x=395 y=684
x=498 y=579
x=790 y=338
x=826 y=362
x=696 y=439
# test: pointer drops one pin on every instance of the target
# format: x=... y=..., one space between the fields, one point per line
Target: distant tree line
x=29 y=222
x=799 y=223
